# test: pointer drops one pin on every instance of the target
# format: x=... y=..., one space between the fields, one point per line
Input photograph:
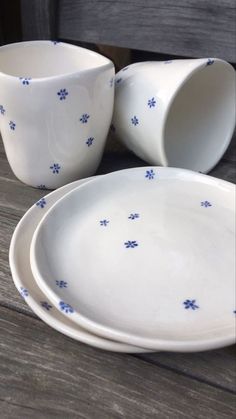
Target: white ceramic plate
x=146 y=256
x=27 y=287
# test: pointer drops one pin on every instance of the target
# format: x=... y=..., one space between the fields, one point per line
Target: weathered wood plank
x=89 y=383
x=38 y=19
x=5 y=170
x=225 y=170
x=9 y=296
x=9 y=410
x=15 y=194
x=213 y=367
x=189 y=27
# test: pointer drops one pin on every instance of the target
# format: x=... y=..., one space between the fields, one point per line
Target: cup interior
x=39 y=59
x=201 y=118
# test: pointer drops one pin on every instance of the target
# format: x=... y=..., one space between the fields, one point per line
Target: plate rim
x=109 y=332
x=84 y=335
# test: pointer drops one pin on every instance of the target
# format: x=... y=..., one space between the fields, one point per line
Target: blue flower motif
x=112 y=128
x=111 y=82
x=89 y=141
x=2 y=110
x=126 y=68
x=134 y=120
x=133 y=216
x=55 y=168
x=206 y=204
x=24 y=292
x=25 y=80
x=190 y=304
x=55 y=42
x=12 y=125
x=234 y=311
x=210 y=61
x=151 y=102
x=84 y=118
x=168 y=62
x=61 y=284
x=104 y=223
x=131 y=244
x=62 y=94
x=150 y=174
x=46 y=305
x=66 y=307
x=41 y=203
x=118 y=80
x=41 y=187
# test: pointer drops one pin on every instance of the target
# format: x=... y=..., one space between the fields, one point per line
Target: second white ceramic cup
x=178 y=113
x=56 y=104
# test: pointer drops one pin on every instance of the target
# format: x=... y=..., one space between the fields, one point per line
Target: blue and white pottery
x=56 y=104
x=148 y=257
x=24 y=281
x=178 y=113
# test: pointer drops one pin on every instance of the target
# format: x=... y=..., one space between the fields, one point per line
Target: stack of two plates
x=134 y=261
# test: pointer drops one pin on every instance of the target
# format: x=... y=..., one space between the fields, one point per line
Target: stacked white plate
x=134 y=261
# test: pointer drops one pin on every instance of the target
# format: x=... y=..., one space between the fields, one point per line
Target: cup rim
x=107 y=62
x=200 y=64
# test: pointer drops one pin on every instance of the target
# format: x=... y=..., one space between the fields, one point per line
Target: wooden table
x=44 y=374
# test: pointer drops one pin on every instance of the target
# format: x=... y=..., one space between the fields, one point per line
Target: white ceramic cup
x=178 y=113
x=56 y=104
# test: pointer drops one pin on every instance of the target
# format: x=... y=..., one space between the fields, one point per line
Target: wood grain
x=15 y=194
x=38 y=18
x=213 y=367
x=217 y=368
x=197 y=28
x=89 y=383
x=45 y=374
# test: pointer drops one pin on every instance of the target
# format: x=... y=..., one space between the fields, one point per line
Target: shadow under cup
x=56 y=104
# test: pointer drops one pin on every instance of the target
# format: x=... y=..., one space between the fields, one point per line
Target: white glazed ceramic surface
x=56 y=103
x=27 y=287
x=144 y=256
x=178 y=113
